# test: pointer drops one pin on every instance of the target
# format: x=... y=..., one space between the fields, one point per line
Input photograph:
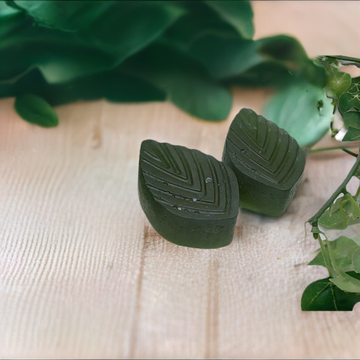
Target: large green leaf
x=116 y=30
x=187 y=82
x=119 y=27
x=342 y=249
x=237 y=13
x=302 y=110
x=323 y=295
x=36 y=110
x=60 y=56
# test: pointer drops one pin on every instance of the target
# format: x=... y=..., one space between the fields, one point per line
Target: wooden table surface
x=83 y=274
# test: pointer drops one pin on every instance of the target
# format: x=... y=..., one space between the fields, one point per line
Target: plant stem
x=340 y=190
x=331 y=148
x=325 y=252
x=349 y=152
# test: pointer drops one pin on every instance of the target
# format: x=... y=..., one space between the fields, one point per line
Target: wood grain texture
x=84 y=275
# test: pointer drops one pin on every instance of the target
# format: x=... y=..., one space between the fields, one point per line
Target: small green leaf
x=340 y=215
x=342 y=249
x=352 y=119
x=323 y=295
x=356 y=260
x=237 y=13
x=36 y=110
x=338 y=84
x=302 y=110
x=187 y=82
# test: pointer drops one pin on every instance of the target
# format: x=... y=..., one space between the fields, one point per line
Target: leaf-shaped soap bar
x=190 y=198
x=267 y=162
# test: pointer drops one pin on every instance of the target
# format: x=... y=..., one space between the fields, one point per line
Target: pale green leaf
x=302 y=110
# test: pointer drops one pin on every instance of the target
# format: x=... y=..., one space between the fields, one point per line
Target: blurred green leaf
x=237 y=13
x=187 y=82
x=36 y=110
x=226 y=57
x=302 y=110
x=113 y=31
x=117 y=27
x=111 y=85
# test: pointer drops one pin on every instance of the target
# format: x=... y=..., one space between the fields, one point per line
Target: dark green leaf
x=187 y=83
x=340 y=215
x=237 y=13
x=323 y=295
x=351 y=98
x=302 y=110
x=342 y=249
x=352 y=134
x=36 y=110
x=352 y=119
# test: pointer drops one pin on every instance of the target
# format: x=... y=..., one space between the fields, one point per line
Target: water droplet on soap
x=208 y=180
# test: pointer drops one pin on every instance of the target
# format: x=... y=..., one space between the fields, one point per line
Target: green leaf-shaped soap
x=190 y=198
x=267 y=162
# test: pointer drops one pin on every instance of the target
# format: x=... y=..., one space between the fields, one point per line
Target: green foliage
x=343 y=249
x=323 y=295
x=36 y=110
x=342 y=213
x=73 y=44
x=187 y=82
x=302 y=110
